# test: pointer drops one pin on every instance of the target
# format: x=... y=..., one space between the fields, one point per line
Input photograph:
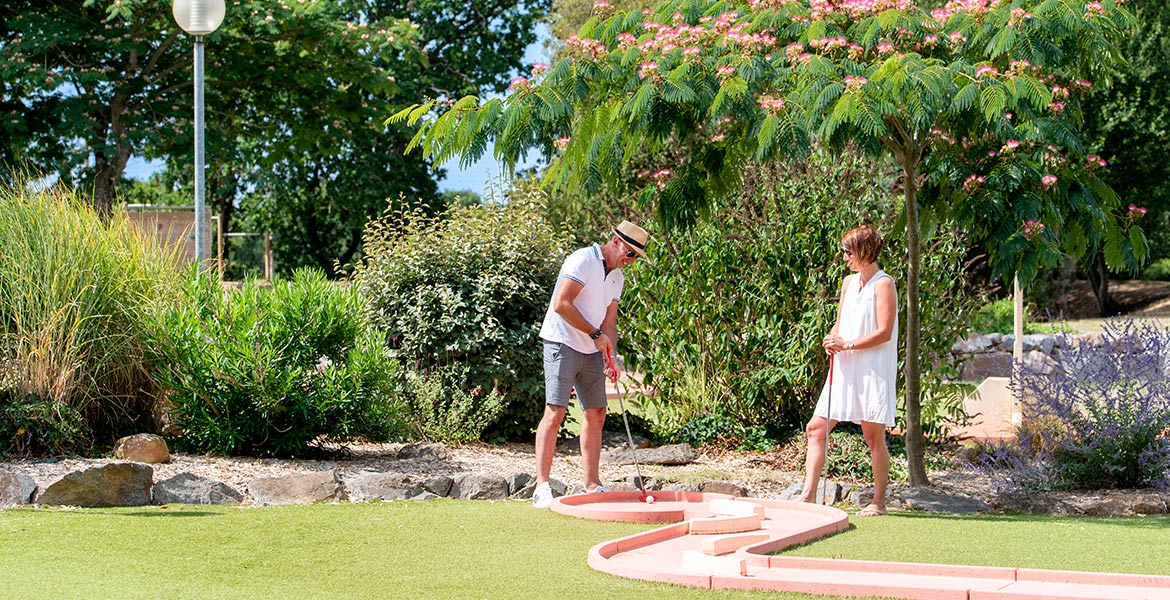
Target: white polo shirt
x=585 y=266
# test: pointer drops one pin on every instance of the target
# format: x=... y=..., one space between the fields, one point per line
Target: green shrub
x=74 y=297
x=1158 y=270
x=468 y=288
x=639 y=426
x=999 y=317
x=849 y=456
x=721 y=430
x=442 y=411
x=942 y=410
x=729 y=321
x=275 y=371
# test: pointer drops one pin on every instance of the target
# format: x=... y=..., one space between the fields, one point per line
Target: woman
x=864 y=346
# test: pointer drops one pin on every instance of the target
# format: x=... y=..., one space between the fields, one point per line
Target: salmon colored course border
x=716 y=541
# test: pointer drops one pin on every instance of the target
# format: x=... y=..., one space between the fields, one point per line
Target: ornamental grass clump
x=75 y=293
x=1102 y=420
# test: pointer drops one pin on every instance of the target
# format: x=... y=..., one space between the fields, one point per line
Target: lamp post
x=199 y=18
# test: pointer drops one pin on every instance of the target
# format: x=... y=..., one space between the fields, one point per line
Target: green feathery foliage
x=978 y=102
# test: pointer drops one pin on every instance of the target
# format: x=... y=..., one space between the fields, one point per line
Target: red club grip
x=609 y=359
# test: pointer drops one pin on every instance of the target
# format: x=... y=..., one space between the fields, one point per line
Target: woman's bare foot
x=873 y=510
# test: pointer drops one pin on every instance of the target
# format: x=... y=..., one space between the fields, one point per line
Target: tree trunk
x=108 y=169
x=1098 y=273
x=223 y=185
x=915 y=442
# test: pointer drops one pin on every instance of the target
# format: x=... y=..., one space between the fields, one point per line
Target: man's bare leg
x=591 y=446
x=546 y=440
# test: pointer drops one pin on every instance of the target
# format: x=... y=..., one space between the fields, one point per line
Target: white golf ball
x=649 y=499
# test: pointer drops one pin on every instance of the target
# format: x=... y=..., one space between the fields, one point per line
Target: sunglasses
x=630 y=252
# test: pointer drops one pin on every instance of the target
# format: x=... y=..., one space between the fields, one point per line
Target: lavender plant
x=1102 y=419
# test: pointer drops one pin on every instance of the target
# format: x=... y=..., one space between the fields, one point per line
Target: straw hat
x=635 y=236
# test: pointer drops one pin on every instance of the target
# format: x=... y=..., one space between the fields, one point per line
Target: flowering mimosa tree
x=977 y=102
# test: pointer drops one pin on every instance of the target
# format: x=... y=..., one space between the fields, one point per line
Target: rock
x=16 y=488
x=1116 y=505
x=724 y=487
x=517 y=482
x=981 y=366
x=143 y=448
x=115 y=484
x=921 y=498
x=439 y=486
x=479 y=487
x=424 y=495
x=423 y=451
x=1039 y=362
x=631 y=482
x=186 y=488
x=368 y=486
x=319 y=486
x=861 y=497
x=1037 y=341
x=792 y=492
x=674 y=454
x=829 y=489
x=1041 y=504
x=980 y=344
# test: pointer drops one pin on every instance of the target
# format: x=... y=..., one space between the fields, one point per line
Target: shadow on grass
x=158 y=511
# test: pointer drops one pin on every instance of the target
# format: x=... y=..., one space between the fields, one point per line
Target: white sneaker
x=542 y=496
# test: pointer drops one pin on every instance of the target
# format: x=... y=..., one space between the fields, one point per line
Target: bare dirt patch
x=1138 y=298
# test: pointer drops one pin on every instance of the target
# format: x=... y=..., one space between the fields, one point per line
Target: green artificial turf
x=1110 y=544
x=469 y=549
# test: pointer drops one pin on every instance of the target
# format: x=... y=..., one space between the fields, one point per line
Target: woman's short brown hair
x=863 y=242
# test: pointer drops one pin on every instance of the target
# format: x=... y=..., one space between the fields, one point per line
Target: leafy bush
x=442 y=411
x=721 y=430
x=274 y=372
x=729 y=320
x=849 y=456
x=468 y=288
x=74 y=298
x=1158 y=270
x=999 y=317
x=942 y=410
x=639 y=426
x=1102 y=420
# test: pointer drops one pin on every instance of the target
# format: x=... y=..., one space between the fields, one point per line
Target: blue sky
x=476 y=177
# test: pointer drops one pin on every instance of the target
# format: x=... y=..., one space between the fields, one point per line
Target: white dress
x=864 y=381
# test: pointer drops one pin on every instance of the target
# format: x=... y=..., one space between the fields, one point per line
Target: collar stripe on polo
x=629 y=240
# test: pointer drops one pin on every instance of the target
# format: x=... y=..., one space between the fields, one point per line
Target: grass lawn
x=471 y=549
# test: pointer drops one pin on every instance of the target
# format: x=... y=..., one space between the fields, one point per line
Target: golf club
x=828 y=426
x=629 y=436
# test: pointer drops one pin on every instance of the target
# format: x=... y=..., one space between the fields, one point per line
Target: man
x=579 y=331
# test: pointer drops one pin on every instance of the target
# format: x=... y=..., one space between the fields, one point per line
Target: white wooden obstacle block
x=724 y=544
x=726 y=566
x=734 y=508
x=726 y=524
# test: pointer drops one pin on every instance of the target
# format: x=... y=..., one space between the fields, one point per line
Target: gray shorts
x=565 y=369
